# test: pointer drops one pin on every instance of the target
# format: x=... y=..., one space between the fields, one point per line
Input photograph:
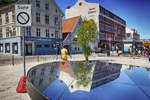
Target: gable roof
x=69 y=24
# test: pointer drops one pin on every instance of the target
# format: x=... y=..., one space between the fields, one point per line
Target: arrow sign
x=23 y=15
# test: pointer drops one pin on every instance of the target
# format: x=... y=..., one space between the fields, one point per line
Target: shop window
x=39 y=46
x=53 y=45
x=15 y=48
x=7 y=48
x=1 y=47
x=46 y=46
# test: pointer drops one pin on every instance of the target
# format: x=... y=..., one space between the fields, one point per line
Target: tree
x=86 y=34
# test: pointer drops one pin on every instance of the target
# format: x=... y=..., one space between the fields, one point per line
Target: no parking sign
x=23 y=14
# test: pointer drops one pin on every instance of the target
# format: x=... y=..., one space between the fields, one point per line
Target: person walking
x=64 y=53
x=149 y=54
x=134 y=51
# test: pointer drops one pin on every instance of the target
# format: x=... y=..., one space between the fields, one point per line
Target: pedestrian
x=64 y=53
x=117 y=49
x=134 y=52
x=113 y=49
x=57 y=51
x=149 y=57
x=130 y=51
x=149 y=54
x=139 y=52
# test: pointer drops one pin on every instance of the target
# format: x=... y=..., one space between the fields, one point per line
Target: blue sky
x=136 y=13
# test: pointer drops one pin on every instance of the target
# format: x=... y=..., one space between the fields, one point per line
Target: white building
x=109 y=26
x=132 y=34
x=41 y=37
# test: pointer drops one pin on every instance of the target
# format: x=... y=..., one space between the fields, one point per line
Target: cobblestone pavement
x=10 y=75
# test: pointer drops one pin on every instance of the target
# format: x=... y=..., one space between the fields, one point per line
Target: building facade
x=110 y=26
x=132 y=34
x=40 y=38
x=70 y=26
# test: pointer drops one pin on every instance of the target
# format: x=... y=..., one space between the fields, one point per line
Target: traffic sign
x=23 y=14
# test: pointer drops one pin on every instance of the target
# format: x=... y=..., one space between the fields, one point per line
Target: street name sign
x=23 y=14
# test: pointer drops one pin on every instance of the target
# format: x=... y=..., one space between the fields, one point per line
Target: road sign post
x=23 y=19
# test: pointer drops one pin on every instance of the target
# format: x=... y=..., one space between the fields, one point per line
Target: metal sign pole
x=23 y=44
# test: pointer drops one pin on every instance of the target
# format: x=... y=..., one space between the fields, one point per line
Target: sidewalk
x=10 y=75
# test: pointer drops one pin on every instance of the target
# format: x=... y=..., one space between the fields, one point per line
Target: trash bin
x=108 y=53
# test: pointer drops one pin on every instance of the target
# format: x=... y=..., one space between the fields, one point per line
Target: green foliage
x=86 y=34
x=81 y=72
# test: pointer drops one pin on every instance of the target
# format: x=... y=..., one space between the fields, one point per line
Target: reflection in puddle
x=93 y=81
x=86 y=76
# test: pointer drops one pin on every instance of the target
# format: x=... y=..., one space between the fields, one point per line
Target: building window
x=39 y=46
x=101 y=18
x=56 y=10
x=1 y=47
x=56 y=20
x=28 y=31
x=80 y=4
x=15 y=48
x=7 y=18
x=101 y=26
x=46 y=6
x=102 y=10
x=7 y=32
x=46 y=46
x=38 y=3
x=52 y=35
x=0 y=19
x=13 y=16
x=56 y=34
x=1 y=35
x=7 y=48
x=38 y=32
x=46 y=19
x=38 y=17
x=47 y=32
x=14 y=32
